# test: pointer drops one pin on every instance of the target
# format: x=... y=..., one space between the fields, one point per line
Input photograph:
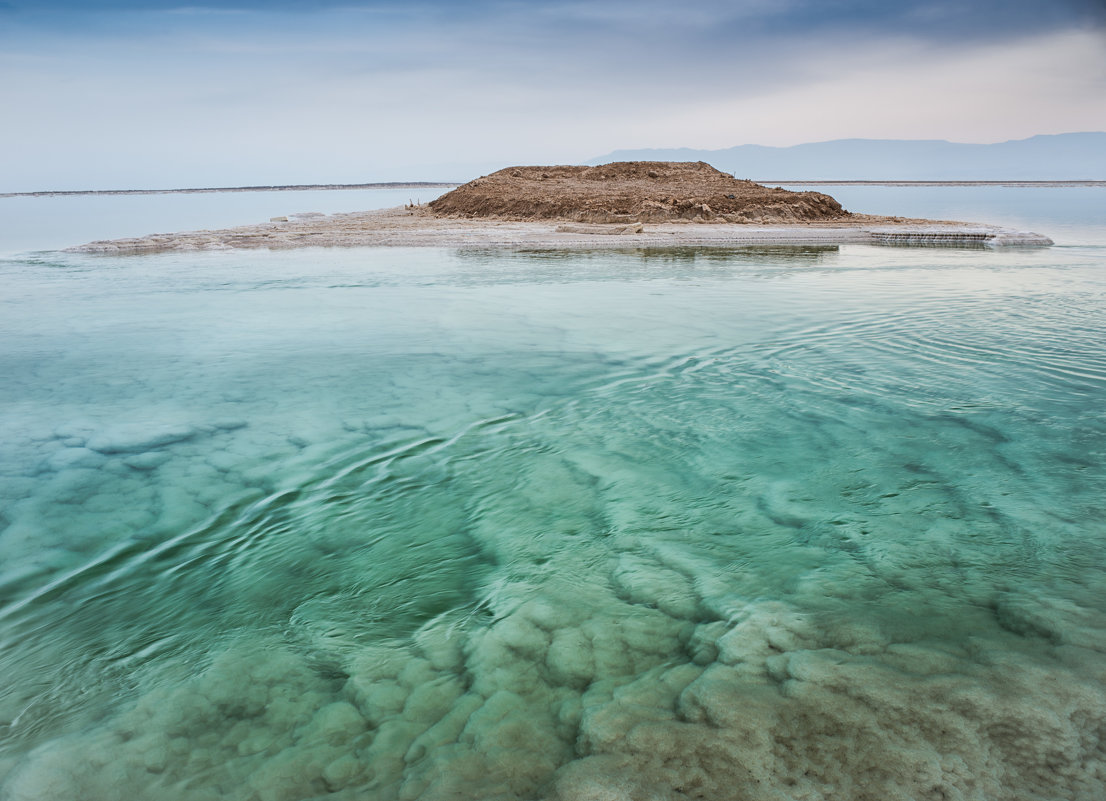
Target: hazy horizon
x=466 y=172
x=154 y=93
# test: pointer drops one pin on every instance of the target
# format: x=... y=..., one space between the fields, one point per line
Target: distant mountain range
x=1071 y=156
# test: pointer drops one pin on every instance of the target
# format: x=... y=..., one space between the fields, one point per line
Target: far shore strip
x=415 y=227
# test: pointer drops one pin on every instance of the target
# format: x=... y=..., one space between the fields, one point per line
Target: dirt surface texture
x=632 y=191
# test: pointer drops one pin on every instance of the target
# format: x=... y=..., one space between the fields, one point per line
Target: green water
x=783 y=523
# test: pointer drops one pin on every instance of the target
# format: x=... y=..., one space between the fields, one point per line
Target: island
x=642 y=203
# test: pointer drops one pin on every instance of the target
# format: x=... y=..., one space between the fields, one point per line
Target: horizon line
x=424 y=184
x=257 y=188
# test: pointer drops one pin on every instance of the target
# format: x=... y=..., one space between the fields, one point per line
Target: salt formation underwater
x=764 y=524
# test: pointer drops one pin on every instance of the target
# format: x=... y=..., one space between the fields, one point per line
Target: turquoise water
x=765 y=523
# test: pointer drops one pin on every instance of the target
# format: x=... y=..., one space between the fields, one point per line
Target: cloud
x=979 y=19
x=226 y=92
x=1007 y=90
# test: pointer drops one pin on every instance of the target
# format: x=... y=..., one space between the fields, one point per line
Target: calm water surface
x=761 y=523
x=54 y=222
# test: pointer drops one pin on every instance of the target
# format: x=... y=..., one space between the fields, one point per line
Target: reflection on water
x=684 y=256
x=733 y=524
x=480 y=266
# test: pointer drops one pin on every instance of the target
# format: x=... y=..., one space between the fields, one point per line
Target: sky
x=104 y=94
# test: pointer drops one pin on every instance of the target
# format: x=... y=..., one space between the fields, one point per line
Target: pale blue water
x=54 y=222
x=775 y=523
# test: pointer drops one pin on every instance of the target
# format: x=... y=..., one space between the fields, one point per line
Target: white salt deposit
x=612 y=705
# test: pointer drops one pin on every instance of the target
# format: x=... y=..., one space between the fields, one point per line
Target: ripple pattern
x=744 y=525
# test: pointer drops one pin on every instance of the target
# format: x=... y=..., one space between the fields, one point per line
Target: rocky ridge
x=632 y=191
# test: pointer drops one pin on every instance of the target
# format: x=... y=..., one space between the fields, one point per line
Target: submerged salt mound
x=629 y=191
x=554 y=701
x=639 y=664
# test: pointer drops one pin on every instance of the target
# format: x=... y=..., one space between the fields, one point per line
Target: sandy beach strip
x=418 y=227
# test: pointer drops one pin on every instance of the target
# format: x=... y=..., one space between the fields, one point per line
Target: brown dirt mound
x=632 y=191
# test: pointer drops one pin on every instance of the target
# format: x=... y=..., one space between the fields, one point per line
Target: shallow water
x=766 y=523
x=62 y=221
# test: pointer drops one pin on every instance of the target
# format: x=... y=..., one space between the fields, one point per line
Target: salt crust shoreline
x=417 y=227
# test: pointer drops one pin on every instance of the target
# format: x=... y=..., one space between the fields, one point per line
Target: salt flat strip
x=417 y=227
